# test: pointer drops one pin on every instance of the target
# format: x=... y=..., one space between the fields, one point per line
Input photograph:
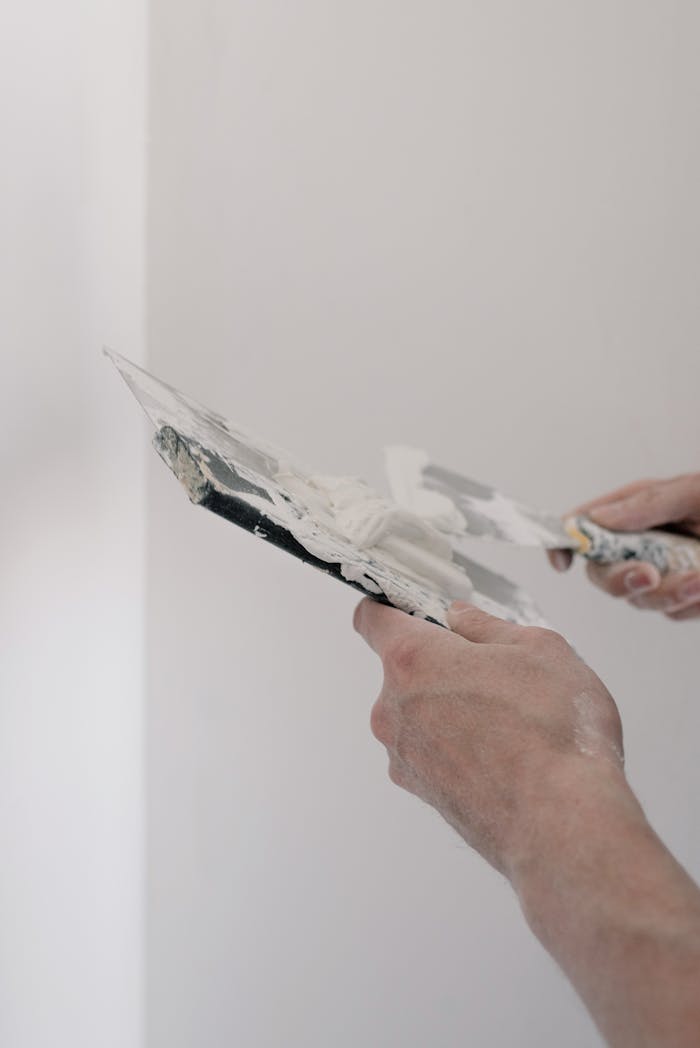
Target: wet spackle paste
x=353 y=511
x=444 y=497
x=404 y=469
x=406 y=556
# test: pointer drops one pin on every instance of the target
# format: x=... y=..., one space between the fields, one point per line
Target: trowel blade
x=226 y=470
x=423 y=487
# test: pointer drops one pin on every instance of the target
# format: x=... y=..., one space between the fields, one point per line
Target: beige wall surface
x=468 y=226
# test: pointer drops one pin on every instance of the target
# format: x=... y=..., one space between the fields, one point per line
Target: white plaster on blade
x=340 y=521
x=404 y=469
x=507 y=519
x=354 y=512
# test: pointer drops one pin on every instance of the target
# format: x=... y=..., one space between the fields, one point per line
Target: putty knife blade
x=423 y=487
x=237 y=476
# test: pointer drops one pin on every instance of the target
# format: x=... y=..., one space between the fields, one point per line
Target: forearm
x=614 y=908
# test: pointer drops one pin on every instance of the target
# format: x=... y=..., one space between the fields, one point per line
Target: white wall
x=470 y=226
x=72 y=112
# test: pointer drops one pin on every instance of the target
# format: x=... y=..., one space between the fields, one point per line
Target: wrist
x=592 y=874
x=578 y=806
x=613 y=907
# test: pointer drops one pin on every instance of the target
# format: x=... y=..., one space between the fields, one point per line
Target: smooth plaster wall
x=471 y=226
x=72 y=524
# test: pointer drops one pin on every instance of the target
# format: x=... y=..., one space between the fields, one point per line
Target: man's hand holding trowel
x=646 y=504
x=517 y=743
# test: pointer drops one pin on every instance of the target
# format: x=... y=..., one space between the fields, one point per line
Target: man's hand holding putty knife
x=646 y=504
x=486 y=514
x=518 y=744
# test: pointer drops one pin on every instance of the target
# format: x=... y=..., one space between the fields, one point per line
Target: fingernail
x=689 y=589
x=459 y=605
x=638 y=580
x=560 y=560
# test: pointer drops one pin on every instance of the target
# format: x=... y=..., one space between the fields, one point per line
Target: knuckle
x=380 y=722
x=397 y=774
x=402 y=657
x=539 y=637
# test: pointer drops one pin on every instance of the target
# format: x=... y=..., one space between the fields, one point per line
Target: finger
x=625 y=579
x=675 y=593
x=478 y=626
x=614 y=496
x=380 y=625
x=691 y=612
x=560 y=559
x=662 y=502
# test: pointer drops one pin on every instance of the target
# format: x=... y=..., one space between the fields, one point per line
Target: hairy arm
x=617 y=912
x=518 y=744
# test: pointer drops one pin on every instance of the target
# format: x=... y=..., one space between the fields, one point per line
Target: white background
x=468 y=226
x=72 y=196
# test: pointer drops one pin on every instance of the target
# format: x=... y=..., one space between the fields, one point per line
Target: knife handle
x=666 y=550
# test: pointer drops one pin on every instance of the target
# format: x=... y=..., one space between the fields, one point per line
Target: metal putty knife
x=420 y=485
x=237 y=476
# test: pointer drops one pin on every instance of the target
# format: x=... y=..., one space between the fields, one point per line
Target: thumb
x=663 y=502
x=478 y=626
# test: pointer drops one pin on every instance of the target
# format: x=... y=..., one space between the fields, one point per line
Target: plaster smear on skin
x=589 y=733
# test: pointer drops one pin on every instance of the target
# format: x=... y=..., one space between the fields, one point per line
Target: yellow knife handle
x=666 y=550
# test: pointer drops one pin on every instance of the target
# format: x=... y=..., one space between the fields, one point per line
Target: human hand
x=494 y=725
x=636 y=507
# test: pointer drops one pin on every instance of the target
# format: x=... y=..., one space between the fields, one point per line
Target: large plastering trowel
x=428 y=489
x=412 y=566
